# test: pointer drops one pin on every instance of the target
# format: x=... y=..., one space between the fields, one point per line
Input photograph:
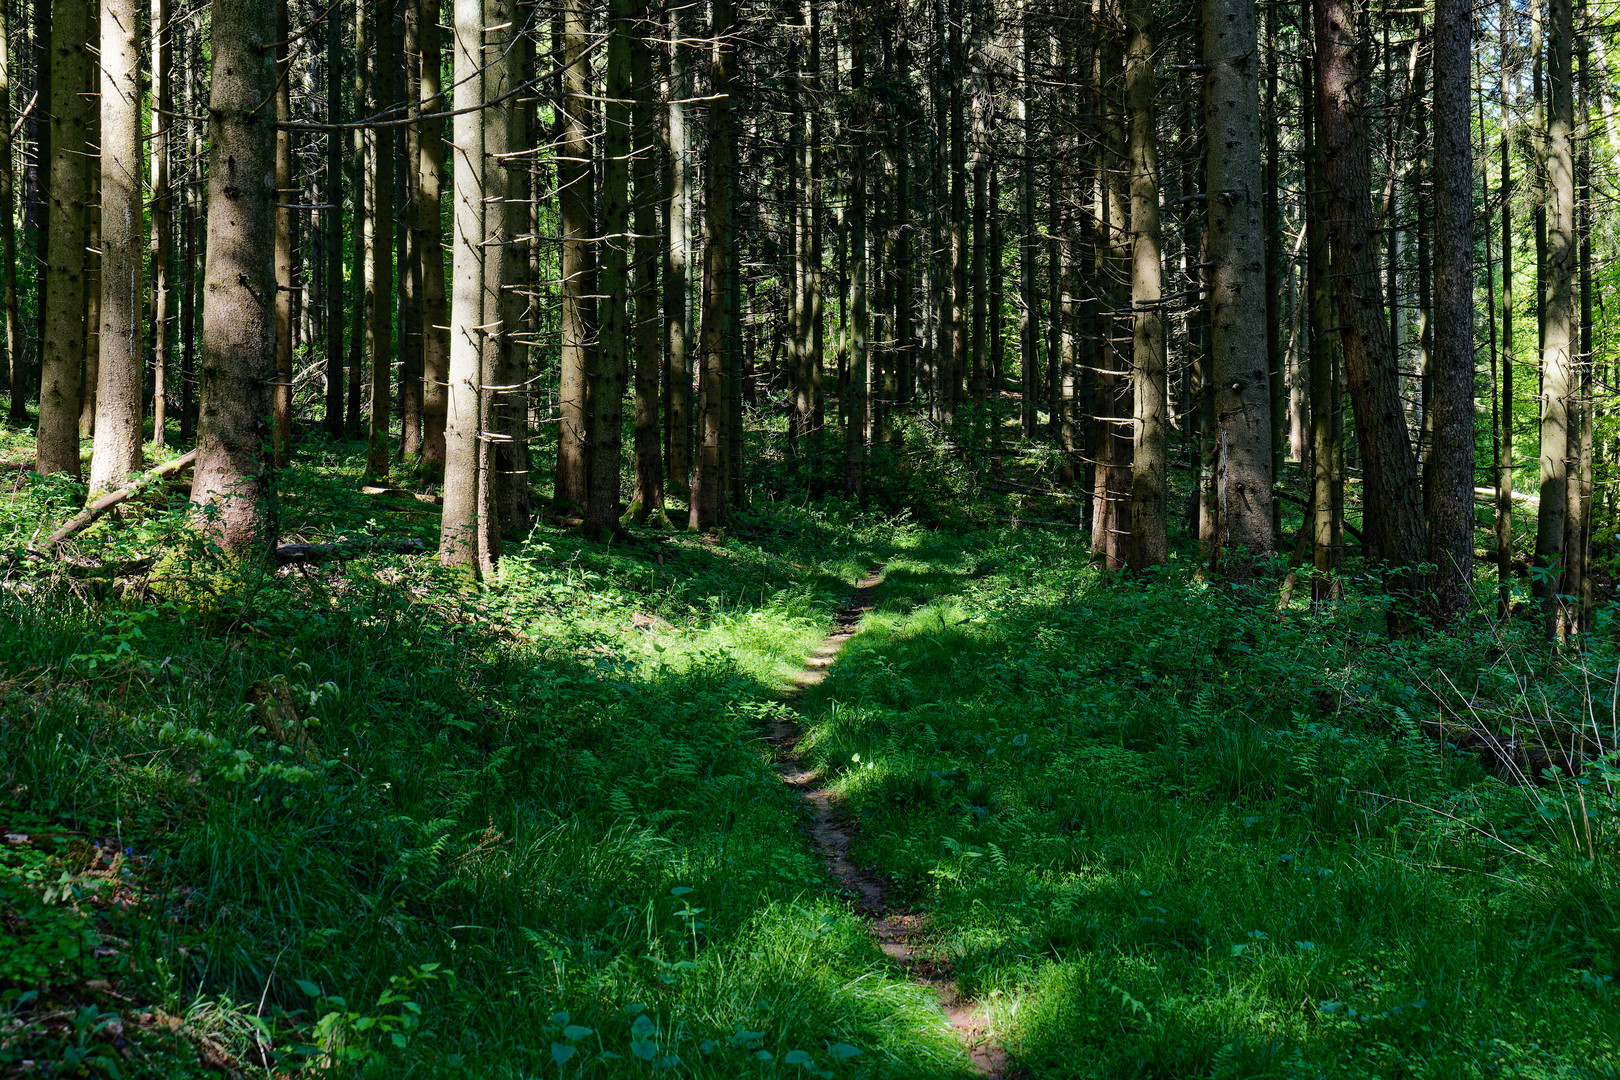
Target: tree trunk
x=238 y=333
x=1148 y=545
x=380 y=327
x=677 y=298
x=648 y=495
x=464 y=525
x=162 y=215
x=1237 y=285
x=1505 y=463
x=856 y=406
x=1324 y=348
x=574 y=199
x=1558 y=325
x=117 y=453
x=332 y=196
x=430 y=245
x=1393 y=511
x=612 y=355
x=951 y=376
x=1450 y=464
x=360 y=268
x=17 y=380
x=708 y=480
x=281 y=395
x=62 y=352
x=1028 y=319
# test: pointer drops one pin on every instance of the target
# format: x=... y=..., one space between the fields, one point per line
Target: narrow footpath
x=894 y=928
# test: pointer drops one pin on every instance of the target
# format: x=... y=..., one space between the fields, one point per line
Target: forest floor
x=369 y=820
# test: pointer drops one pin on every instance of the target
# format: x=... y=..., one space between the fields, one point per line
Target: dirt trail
x=894 y=927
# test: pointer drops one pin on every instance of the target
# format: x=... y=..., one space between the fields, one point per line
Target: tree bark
x=1392 y=497
x=162 y=247
x=708 y=480
x=1450 y=464
x=17 y=380
x=379 y=328
x=463 y=528
x=1148 y=546
x=1558 y=325
x=648 y=495
x=856 y=406
x=1237 y=283
x=281 y=394
x=574 y=179
x=238 y=359
x=677 y=299
x=1505 y=463
x=612 y=356
x=62 y=351
x=430 y=244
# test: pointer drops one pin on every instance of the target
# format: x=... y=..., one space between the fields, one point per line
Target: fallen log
x=307 y=554
x=88 y=516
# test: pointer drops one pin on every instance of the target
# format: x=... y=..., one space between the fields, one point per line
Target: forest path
x=891 y=924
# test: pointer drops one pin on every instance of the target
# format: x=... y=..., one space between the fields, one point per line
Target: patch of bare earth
x=900 y=933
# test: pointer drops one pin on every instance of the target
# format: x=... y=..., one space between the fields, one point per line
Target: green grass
x=1169 y=835
x=531 y=829
x=520 y=812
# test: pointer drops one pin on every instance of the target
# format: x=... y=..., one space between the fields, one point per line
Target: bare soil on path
x=899 y=932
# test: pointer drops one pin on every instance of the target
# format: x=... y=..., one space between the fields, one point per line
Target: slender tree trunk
x=360 y=267
x=855 y=388
x=1393 y=509
x=332 y=197
x=430 y=245
x=1558 y=316
x=504 y=463
x=162 y=216
x=410 y=256
x=229 y=486
x=1148 y=464
x=117 y=452
x=281 y=395
x=677 y=301
x=648 y=495
x=1324 y=347
x=608 y=380
x=62 y=353
x=380 y=327
x=464 y=526
x=1505 y=464
x=17 y=380
x=574 y=179
x=951 y=378
x=1029 y=317
x=190 y=202
x=1237 y=302
x=708 y=481
x=1577 y=584
x=1450 y=464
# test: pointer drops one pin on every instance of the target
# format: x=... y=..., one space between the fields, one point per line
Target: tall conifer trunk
x=238 y=358
x=430 y=243
x=1450 y=464
x=575 y=203
x=1148 y=544
x=1237 y=303
x=281 y=395
x=708 y=479
x=62 y=351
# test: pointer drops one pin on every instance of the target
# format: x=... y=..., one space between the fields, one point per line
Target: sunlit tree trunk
x=1505 y=464
x=1558 y=325
x=380 y=326
x=464 y=526
x=855 y=388
x=238 y=358
x=62 y=351
x=677 y=301
x=162 y=245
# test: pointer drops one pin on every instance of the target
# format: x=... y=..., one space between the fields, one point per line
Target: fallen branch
x=306 y=554
x=86 y=517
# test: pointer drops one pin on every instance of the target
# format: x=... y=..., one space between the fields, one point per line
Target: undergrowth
x=1167 y=834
